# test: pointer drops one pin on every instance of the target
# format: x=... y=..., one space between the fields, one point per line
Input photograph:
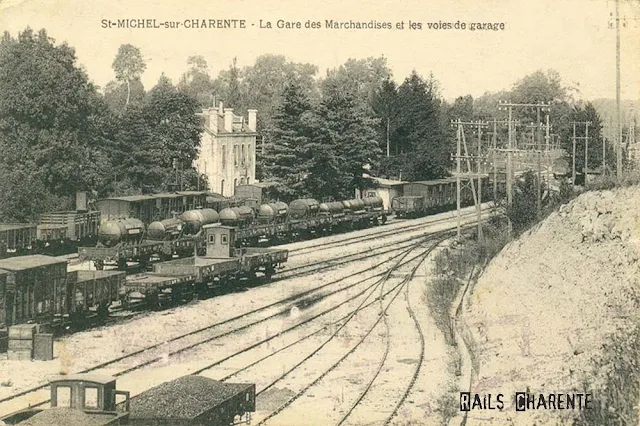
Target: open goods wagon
x=17 y=237
x=193 y=401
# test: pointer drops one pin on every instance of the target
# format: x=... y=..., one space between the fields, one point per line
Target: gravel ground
x=546 y=303
x=85 y=349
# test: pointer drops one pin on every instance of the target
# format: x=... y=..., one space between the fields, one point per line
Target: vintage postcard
x=319 y=213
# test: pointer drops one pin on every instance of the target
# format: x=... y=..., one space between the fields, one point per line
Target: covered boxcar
x=35 y=289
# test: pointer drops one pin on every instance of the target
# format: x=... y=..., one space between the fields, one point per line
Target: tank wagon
x=129 y=240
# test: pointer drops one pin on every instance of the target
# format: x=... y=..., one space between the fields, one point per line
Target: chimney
x=81 y=201
x=220 y=109
x=252 y=119
x=228 y=119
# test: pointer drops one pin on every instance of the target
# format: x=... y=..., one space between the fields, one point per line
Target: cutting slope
x=547 y=303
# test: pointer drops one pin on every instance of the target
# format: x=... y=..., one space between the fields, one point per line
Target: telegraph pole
x=458 y=158
x=540 y=106
x=586 y=154
x=573 y=173
x=495 y=166
x=586 y=150
x=479 y=206
x=477 y=197
x=618 y=121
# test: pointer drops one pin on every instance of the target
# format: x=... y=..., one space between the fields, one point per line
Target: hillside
x=547 y=303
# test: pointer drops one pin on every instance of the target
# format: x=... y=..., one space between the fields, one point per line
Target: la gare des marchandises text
x=281 y=24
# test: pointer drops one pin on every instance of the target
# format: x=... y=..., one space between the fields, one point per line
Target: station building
x=228 y=149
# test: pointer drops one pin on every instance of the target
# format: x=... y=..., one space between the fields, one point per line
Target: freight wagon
x=85 y=399
x=38 y=288
x=80 y=399
x=222 y=266
x=428 y=197
x=129 y=239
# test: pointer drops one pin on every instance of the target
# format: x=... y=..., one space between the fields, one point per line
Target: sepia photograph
x=338 y=213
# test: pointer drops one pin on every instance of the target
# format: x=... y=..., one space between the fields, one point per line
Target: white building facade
x=228 y=149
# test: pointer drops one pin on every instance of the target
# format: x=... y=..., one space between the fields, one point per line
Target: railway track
x=373 y=234
x=381 y=317
x=201 y=341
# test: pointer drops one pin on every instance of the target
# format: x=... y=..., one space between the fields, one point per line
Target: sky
x=570 y=36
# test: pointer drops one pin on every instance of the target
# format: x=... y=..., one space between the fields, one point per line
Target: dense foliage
x=59 y=135
x=319 y=137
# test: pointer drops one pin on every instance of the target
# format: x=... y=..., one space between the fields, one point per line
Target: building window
x=222 y=187
x=224 y=157
x=235 y=155
x=212 y=239
x=244 y=155
x=371 y=194
x=224 y=240
x=235 y=182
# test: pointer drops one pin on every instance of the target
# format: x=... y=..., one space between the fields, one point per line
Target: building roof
x=129 y=198
x=93 y=378
x=12 y=226
x=387 y=182
x=28 y=262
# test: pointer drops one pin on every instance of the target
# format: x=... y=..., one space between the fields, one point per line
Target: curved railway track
x=200 y=341
x=381 y=317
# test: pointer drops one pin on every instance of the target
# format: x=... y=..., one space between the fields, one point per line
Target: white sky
x=571 y=36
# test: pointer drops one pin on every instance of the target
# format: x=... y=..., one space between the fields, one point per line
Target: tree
x=353 y=134
x=116 y=94
x=462 y=109
x=424 y=148
x=54 y=126
x=128 y=66
x=362 y=77
x=159 y=136
x=196 y=82
x=264 y=83
x=385 y=105
x=288 y=137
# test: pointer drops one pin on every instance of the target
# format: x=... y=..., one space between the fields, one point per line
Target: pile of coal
x=60 y=417
x=184 y=398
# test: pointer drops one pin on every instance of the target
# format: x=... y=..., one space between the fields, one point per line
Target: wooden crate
x=22 y=332
x=43 y=347
x=21 y=355
x=20 y=345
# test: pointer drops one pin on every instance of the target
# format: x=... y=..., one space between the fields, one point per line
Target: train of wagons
x=95 y=400
x=40 y=289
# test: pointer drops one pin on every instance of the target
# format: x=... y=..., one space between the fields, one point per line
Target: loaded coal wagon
x=194 y=401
